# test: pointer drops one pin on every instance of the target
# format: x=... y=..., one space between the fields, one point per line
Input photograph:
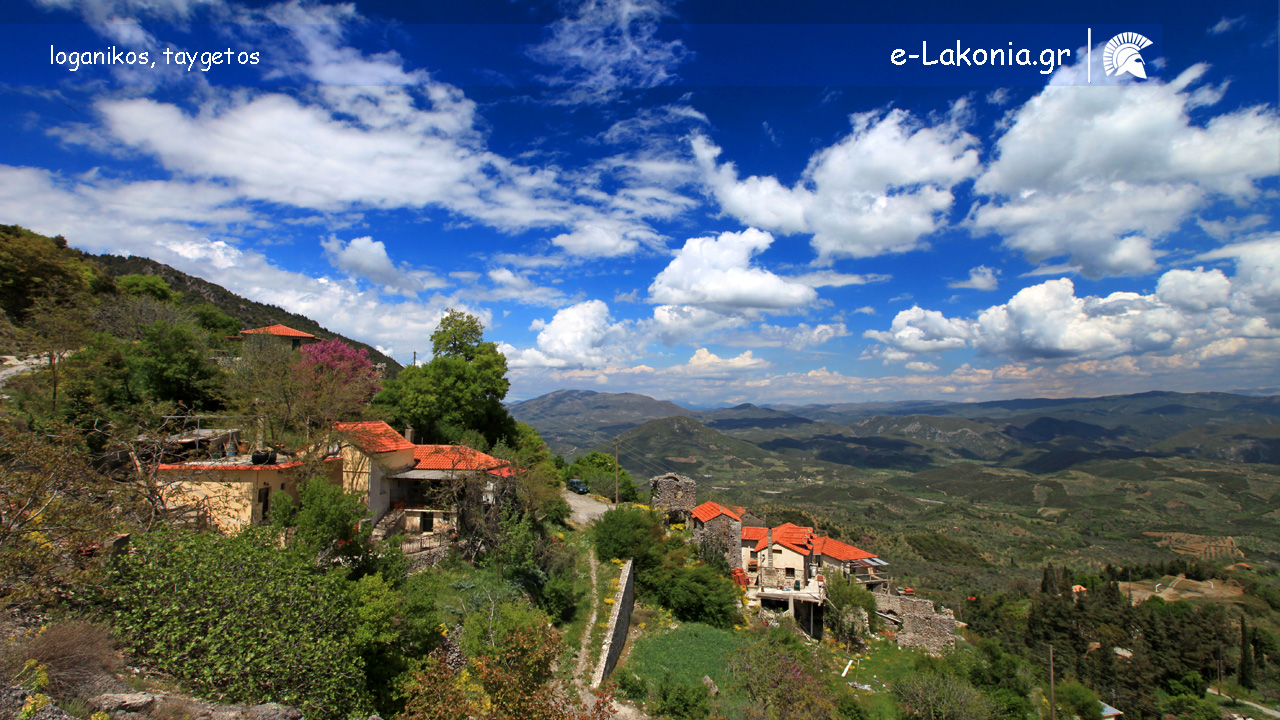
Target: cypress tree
x=1246 y=657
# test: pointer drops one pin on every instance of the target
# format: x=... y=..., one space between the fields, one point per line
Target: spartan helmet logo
x=1123 y=54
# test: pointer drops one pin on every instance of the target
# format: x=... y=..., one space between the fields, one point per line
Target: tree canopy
x=459 y=392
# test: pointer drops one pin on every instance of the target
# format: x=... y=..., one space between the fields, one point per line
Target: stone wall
x=931 y=633
x=721 y=534
x=619 y=625
x=922 y=627
x=676 y=495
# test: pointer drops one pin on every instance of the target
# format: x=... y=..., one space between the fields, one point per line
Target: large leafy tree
x=459 y=392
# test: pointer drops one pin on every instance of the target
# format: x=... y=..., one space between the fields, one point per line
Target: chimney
x=408 y=433
x=260 y=442
x=769 y=549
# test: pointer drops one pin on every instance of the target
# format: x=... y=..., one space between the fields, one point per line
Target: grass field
x=687 y=653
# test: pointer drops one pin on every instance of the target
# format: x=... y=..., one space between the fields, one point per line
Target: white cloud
x=707 y=364
x=609 y=46
x=510 y=285
x=673 y=324
x=367 y=258
x=581 y=335
x=1098 y=175
x=980 y=278
x=793 y=338
x=830 y=278
x=879 y=190
x=921 y=367
x=1225 y=25
x=1190 y=312
x=717 y=274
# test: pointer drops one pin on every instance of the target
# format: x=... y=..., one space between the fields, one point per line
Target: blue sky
x=696 y=201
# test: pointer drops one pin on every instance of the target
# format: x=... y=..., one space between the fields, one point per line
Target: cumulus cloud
x=1192 y=312
x=718 y=274
x=583 y=335
x=1099 y=175
x=881 y=189
x=364 y=257
x=980 y=278
x=707 y=364
x=609 y=46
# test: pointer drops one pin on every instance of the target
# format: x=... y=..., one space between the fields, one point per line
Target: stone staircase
x=389 y=524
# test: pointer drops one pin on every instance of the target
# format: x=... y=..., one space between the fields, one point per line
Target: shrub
x=73 y=655
x=632 y=686
x=236 y=618
x=678 y=700
x=629 y=533
x=696 y=594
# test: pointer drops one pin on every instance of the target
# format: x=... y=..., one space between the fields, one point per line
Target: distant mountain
x=251 y=314
x=959 y=437
x=573 y=421
x=686 y=446
x=1232 y=443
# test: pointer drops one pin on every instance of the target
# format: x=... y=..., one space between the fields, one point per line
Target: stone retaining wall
x=619 y=624
x=922 y=627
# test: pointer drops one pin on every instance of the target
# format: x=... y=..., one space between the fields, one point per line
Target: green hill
x=251 y=314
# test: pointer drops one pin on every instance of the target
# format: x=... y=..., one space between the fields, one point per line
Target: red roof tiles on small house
x=453 y=457
x=278 y=331
x=803 y=541
x=374 y=436
x=838 y=550
x=708 y=511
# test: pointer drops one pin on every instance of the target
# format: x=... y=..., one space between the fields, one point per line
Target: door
x=264 y=499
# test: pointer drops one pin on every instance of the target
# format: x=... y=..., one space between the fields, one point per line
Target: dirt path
x=584 y=647
x=1256 y=706
x=584 y=508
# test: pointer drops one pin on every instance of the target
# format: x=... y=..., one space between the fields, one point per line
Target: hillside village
x=208 y=520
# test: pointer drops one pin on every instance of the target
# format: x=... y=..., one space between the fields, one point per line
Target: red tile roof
x=453 y=457
x=277 y=330
x=802 y=540
x=374 y=436
x=840 y=551
x=709 y=510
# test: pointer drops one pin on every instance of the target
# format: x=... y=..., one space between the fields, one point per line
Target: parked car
x=578 y=486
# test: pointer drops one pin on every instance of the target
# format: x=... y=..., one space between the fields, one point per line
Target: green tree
x=1077 y=701
x=328 y=527
x=34 y=266
x=846 y=595
x=57 y=325
x=459 y=391
x=152 y=286
x=597 y=470
x=174 y=366
x=211 y=318
x=1246 y=656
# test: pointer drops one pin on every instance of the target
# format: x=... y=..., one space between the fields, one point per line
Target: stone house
x=717 y=528
x=788 y=554
x=372 y=451
x=231 y=493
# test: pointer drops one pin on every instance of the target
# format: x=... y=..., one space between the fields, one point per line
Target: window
x=791 y=572
x=754 y=554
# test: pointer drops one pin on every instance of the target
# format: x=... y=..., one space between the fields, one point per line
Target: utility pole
x=415 y=358
x=615 y=471
x=1053 y=707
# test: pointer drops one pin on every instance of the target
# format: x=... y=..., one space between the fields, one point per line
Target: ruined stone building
x=920 y=626
x=718 y=529
x=675 y=495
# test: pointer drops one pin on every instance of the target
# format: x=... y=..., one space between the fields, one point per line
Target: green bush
x=678 y=700
x=629 y=533
x=235 y=618
x=696 y=594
